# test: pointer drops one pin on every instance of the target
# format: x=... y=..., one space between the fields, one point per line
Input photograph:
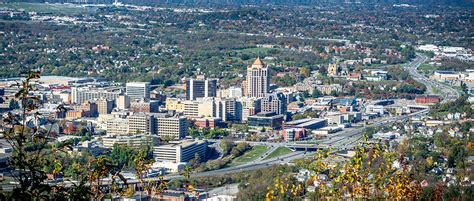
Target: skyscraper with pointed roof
x=258 y=79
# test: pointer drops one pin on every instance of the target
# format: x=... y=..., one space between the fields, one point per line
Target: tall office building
x=228 y=110
x=200 y=88
x=274 y=102
x=135 y=124
x=171 y=127
x=105 y=106
x=138 y=90
x=248 y=107
x=258 y=80
x=123 y=102
x=139 y=124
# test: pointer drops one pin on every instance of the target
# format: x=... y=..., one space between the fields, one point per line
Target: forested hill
x=259 y=2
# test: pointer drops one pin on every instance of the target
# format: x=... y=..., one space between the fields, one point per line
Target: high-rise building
x=200 y=88
x=258 y=79
x=248 y=107
x=275 y=102
x=138 y=90
x=140 y=123
x=123 y=102
x=228 y=110
x=105 y=106
x=171 y=127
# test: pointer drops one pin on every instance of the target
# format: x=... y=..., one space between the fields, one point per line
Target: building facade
x=105 y=106
x=275 y=102
x=123 y=102
x=200 y=88
x=138 y=90
x=145 y=106
x=171 y=127
x=82 y=94
x=258 y=80
x=180 y=151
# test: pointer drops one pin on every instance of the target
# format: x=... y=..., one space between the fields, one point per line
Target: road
x=342 y=140
x=449 y=93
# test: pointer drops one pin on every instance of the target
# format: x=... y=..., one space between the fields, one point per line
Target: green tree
x=316 y=93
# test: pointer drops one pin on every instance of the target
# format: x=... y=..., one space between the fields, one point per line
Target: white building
x=81 y=94
x=138 y=90
x=180 y=151
x=131 y=141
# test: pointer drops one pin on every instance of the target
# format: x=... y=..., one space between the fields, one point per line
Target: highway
x=449 y=93
x=343 y=140
x=346 y=139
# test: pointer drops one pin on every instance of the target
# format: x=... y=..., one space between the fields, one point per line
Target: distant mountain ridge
x=259 y=2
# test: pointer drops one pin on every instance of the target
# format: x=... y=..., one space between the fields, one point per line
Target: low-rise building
x=145 y=106
x=87 y=109
x=181 y=151
x=378 y=109
x=308 y=123
x=266 y=120
x=131 y=141
x=293 y=134
x=428 y=99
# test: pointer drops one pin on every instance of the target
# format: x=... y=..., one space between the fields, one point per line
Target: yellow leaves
x=57 y=167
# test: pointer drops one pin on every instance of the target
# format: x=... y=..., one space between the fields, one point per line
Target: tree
x=32 y=157
x=142 y=164
x=305 y=72
x=226 y=145
x=195 y=161
x=316 y=93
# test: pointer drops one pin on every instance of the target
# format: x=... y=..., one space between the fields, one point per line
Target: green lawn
x=249 y=156
x=48 y=8
x=280 y=151
x=427 y=69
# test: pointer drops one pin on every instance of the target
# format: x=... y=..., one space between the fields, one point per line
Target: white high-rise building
x=258 y=80
x=138 y=90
